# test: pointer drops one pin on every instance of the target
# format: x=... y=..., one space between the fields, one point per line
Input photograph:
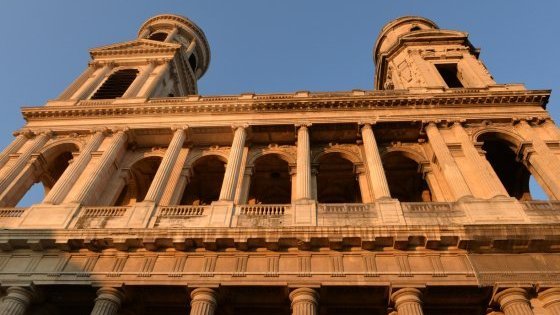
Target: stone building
x=411 y=198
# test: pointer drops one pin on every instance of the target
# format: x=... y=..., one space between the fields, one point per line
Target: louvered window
x=116 y=85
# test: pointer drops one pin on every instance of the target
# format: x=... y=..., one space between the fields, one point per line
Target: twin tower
x=171 y=53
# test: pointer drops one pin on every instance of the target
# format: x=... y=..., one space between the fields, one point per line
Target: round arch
x=402 y=171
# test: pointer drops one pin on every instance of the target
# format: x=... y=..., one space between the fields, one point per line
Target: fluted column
x=303 y=177
x=7 y=176
x=150 y=85
x=449 y=168
x=108 y=301
x=408 y=301
x=108 y=157
x=514 y=301
x=165 y=167
x=13 y=147
x=486 y=177
x=551 y=300
x=139 y=81
x=234 y=162
x=304 y=301
x=552 y=129
x=377 y=178
x=16 y=301
x=74 y=170
x=203 y=301
x=92 y=82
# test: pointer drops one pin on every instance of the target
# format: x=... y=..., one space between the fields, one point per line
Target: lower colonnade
x=107 y=300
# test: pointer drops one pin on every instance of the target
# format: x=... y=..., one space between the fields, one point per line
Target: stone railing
x=181 y=211
x=11 y=212
x=345 y=207
x=180 y=216
x=99 y=217
x=541 y=205
x=440 y=213
x=346 y=214
x=262 y=215
x=262 y=210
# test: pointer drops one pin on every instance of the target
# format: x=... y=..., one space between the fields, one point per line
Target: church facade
x=411 y=198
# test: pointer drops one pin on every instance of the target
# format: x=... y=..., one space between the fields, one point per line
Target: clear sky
x=266 y=46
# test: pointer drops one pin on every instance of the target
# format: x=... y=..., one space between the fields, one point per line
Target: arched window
x=405 y=181
x=337 y=181
x=56 y=161
x=142 y=175
x=116 y=85
x=501 y=155
x=193 y=62
x=159 y=36
x=270 y=181
x=205 y=182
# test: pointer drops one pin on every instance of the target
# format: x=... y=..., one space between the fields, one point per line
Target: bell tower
x=412 y=52
x=167 y=58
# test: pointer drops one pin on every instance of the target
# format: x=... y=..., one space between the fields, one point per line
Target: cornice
x=249 y=103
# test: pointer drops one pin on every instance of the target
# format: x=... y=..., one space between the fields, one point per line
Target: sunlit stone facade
x=411 y=198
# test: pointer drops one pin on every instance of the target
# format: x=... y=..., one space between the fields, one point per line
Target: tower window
x=192 y=62
x=116 y=84
x=449 y=74
x=415 y=28
x=159 y=36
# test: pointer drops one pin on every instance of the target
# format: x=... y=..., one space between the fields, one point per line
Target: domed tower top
x=179 y=29
x=412 y=52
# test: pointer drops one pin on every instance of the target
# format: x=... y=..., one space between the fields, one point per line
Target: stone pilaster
x=80 y=193
x=447 y=163
x=108 y=301
x=13 y=148
x=203 y=301
x=139 y=81
x=8 y=175
x=165 y=167
x=487 y=178
x=151 y=83
x=552 y=129
x=304 y=301
x=514 y=301
x=16 y=301
x=234 y=162
x=550 y=299
x=303 y=178
x=171 y=35
x=73 y=171
x=408 y=301
x=378 y=181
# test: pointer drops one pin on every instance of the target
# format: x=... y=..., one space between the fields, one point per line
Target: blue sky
x=266 y=46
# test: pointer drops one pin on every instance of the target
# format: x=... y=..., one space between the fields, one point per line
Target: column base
x=49 y=216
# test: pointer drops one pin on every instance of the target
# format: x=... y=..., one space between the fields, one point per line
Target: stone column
x=165 y=167
x=73 y=171
x=408 y=301
x=234 y=162
x=203 y=301
x=446 y=162
x=304 y=301
x=145 y=33
x=71 y=89
x=364 y=185
x=171 y=35
x=303 y=177
x=13 y=147
x=552 y=129
x=486 y=177
x=551 y=300
x=16 y=301
x=514 y=301
x=377 y=178
x=150 y=85
x=139 y=81
x=8 y=175
x=80 y=194
x=108 y=301
x=91 y=83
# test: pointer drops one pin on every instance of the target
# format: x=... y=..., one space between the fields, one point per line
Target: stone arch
x=142 y=173
x=337 y=180
x=270 y=179
x=404 y=176
x=206 y=174
x=346 y=153
x=135 y=157
x=260 y=152
x=197 y=155
x=513 y=138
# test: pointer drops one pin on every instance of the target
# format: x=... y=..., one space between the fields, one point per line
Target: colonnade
x=69 y=190
x=304 y=301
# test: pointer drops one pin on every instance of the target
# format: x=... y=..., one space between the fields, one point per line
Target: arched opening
x=193 y=62
x=205 y=182
x=405 y=181
x=56 y=160
x=270 y=181
x=159 y=36
x=116 y=85
x=501 y=155
x=337 y=181
x=142 y=174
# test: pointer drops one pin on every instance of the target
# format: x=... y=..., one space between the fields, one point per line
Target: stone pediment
x=135 y=47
